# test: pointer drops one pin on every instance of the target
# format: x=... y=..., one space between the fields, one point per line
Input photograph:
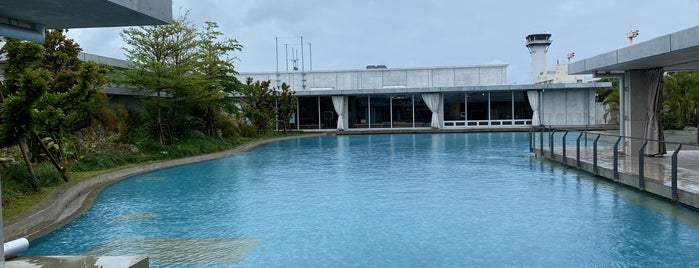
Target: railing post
x=531 y=140
x=641 y=175
x=675 y=193
x=563 y=141
x=594 y=155
x=551 y=133
x=616 y=159
x=541 y=141
x=577 y=150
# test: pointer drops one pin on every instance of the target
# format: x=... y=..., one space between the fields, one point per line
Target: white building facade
x=440 y=97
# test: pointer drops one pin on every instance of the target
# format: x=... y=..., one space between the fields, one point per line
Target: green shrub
x=226 y=124
x=47 y=175
x=137 y=128
x=104 y=160
x=16 y=178
x=671 y=123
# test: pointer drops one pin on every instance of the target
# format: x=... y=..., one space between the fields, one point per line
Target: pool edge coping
x=50 y=213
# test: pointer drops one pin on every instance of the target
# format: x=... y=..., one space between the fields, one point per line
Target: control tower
x=538 y=44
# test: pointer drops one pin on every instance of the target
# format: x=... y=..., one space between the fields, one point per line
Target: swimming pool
x=413 y=200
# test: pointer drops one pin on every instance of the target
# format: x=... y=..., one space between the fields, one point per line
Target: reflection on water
x=137 y=217
x=181 y=250
x=154 y=178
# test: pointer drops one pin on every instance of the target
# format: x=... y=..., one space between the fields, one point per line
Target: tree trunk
x=158 y=121
x=212 y=128
x=63 y=156
x=33 y=181
x=59 y=168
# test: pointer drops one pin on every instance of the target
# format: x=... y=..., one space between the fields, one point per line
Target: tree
x=163 y=58
x=60 y=53
x=189 y=71
x=70 y=99
x=24 y=85
x=258 y=105
x=74 y=100
x=216 y=66
x=681 y=99
x=286 y=105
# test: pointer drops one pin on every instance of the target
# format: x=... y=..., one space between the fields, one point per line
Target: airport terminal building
x=440 y=97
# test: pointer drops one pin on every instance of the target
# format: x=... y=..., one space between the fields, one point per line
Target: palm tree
x=681 y=95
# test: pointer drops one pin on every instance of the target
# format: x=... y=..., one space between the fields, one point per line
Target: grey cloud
x=403 y=33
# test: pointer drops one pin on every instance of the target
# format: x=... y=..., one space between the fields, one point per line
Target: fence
x=546 y=140
x=492 y=122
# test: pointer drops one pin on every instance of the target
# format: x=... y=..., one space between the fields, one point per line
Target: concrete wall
x=485 y=75
x=112 y=62
x=571 y=107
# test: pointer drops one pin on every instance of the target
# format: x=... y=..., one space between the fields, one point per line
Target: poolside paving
x=657 y=170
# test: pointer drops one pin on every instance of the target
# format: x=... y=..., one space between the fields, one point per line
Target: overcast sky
x=350 y=34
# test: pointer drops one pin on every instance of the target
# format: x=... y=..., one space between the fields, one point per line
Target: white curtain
x=533 y=96
x=339 y=103
x=433 y=101
x=654 y=130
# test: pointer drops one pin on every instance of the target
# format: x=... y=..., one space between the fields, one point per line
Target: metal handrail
x=531 y=140
x=616 y=159
x=641 y=154
x=675 y=194
x=563 y=140
x=641 y=169
x=594 y=156
x=577 y=150
x=552 y=132
x=541 y=140
x=492 y=122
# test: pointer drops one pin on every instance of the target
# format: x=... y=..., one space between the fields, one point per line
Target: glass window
x=477 y=105
x=358 y=107
x=308 y=113
x=500 y=105
x=522 y=108
x=454 y=106
x=402 y=110
x=328 y=117
x=380 y=111
x=423 y=115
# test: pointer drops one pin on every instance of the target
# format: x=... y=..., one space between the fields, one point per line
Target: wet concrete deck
x=657 y=170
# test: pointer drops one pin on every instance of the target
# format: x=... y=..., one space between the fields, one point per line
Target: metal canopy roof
x=60 y=14
x=677 y=51
x=27 y=19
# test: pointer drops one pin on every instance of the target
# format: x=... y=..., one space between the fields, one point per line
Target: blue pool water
x=441 y=200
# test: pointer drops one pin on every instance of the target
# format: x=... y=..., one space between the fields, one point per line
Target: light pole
x=310 y=57
x=276 y=57
x=295 y=58
x=303 y=67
